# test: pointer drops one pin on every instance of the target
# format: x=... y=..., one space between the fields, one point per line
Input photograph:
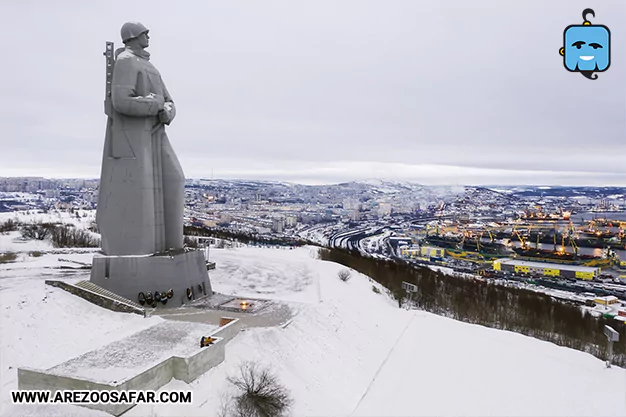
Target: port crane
x=571 y=234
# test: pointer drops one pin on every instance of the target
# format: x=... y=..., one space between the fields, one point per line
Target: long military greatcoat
x=141 y=197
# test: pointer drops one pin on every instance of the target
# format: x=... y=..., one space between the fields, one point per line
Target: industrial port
x=596 y=243
x=578 y=261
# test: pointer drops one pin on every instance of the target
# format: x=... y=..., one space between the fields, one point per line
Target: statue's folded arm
x=124 y=95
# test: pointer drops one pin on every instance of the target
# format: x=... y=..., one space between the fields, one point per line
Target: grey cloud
x=475 y=84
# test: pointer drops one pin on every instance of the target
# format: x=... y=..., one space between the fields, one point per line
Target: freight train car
x=546 y=269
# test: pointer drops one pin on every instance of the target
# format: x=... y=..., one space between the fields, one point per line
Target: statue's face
x=144 y=40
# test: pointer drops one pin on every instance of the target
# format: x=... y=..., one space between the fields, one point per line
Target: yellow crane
x=521 y=239
x=490 y=235
x=573 y=244
x=537 y=243
x=554 y=233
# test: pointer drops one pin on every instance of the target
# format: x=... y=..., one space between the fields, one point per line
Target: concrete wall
x=151 y=379
x=199 y=363
x=31 y=379
x=127 y=276
x=96 y=298
x=184 y=369
x=229 y=331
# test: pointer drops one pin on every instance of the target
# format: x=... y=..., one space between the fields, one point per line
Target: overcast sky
x=447 y=91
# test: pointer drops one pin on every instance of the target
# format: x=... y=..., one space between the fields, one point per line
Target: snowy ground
x=355 y=353
x=485 y=372
x=262 y=273
x=349 y=351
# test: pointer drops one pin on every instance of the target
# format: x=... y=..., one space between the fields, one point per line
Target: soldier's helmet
x=132 y=30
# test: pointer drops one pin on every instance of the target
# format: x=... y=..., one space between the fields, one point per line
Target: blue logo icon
x=586 y=48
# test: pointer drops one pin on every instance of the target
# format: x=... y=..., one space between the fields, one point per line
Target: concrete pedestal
x=127 y=276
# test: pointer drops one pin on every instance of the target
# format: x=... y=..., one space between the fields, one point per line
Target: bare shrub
x=344 y=275
x=322 y=253
x=227 y=406
x=67 y=236
x=36 y=254
x=93 y=227
x=190 y=242
x=7 y=257
x=38 y=231
x=9 y=226
x=259 y=394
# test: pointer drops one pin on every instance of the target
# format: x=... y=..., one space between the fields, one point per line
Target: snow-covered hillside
x=353 y=352
x=348 y=351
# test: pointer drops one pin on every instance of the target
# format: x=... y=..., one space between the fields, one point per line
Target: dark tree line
x=243 y=237
x=489 y=304
x=61 y=235
x=9 y=226
x=68 y=236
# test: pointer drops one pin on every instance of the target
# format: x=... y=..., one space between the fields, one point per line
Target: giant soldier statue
x=140 y=207
x=141 y=196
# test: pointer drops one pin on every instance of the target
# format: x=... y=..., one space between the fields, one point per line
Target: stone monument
x=142 y=195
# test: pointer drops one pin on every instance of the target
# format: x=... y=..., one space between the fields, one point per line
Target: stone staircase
x=99 y=296
x=90 y=286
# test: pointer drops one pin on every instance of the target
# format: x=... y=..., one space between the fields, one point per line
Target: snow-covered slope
x=354 y=352
x=348 y=351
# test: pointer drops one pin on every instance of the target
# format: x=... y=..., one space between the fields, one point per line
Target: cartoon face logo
x=586 y=48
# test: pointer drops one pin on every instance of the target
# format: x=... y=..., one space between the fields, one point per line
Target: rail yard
x=582 y=262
